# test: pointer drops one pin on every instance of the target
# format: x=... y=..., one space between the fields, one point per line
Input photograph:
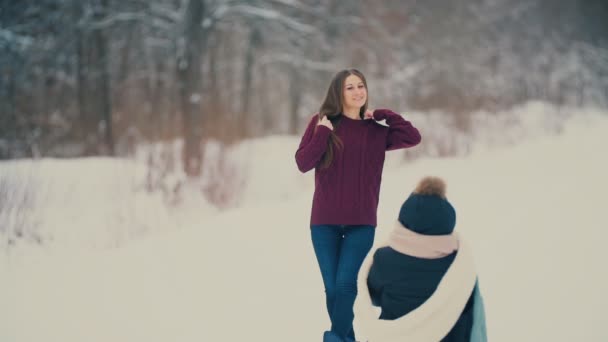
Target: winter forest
x=141 y=139
x=96 y=77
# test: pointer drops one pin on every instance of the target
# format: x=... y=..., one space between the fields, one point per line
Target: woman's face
x=354 y=92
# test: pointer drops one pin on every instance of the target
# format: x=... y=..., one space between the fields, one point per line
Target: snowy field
x=534 y=213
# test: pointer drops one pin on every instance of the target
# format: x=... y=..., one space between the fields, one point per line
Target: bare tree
x=189 y=61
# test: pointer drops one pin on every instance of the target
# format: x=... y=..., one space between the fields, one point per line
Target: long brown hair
x=332 y=108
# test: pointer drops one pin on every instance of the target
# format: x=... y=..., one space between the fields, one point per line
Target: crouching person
x=424 y=281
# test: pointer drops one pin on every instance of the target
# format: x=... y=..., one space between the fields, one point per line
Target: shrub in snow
x=222 y=177
x=18 y=220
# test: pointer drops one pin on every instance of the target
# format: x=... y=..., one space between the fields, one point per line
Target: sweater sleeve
x=401 y=133
x=373 y=284
x=313 y=145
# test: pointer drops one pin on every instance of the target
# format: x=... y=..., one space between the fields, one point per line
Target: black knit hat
x=427 y=210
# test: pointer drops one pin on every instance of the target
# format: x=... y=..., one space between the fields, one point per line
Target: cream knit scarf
x=411 y=243
x=431 y=321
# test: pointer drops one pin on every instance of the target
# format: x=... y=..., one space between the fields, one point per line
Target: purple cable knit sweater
x=347 y=192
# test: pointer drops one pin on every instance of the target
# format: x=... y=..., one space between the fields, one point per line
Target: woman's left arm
x=401 y=133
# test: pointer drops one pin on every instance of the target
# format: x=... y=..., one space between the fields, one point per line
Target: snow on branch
x=11 y=38
x=166 y=13
x=118 y=17
x=263 y=13
x=298 y=61
x=297 y=5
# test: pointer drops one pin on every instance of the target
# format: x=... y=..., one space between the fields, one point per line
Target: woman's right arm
x=313 y=145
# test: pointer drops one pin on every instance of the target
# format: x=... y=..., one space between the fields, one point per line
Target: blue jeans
x=340 y=251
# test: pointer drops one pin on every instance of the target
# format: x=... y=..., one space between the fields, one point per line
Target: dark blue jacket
x=399 y=283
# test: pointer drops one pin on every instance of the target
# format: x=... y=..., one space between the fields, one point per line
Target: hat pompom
x=431 y=186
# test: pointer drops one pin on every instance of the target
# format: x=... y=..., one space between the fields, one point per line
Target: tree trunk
x=190 y=81
x=9 y=129
x=217 y=120
x=295 y=98
x=159 y=108
x=246 y=122
x=105 y=100
x=268 y=115
x=93 y=75
x=81 y=84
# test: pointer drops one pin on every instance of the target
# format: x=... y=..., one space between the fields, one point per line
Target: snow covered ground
x=535 y=214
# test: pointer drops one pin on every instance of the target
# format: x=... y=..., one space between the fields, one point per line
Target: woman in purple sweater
x=346 y=146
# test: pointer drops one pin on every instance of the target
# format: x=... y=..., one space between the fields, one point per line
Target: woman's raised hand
x=325 y=122
x=369 y=114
